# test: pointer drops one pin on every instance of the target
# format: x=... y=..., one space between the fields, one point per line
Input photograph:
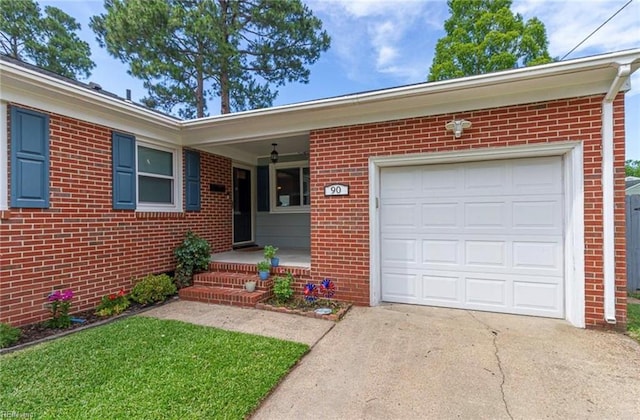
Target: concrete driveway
x=409 y=362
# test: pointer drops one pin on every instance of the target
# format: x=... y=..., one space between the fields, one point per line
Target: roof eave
x=31 y=88
x=580 y=77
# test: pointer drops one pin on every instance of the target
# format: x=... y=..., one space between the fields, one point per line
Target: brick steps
x=224 y=295
x=231 y=280
x=224 y=283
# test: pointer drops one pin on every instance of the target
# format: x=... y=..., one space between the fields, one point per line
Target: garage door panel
x=537 y=256
x=443 y=181
x=400 y=287
x=485 y=215
x=441 y=288
x=400 y=182
x=438 y=215
x=485 y=179
x=485 y=254
x=547 y=179
x=437 y=252
x=400 y=216
x=400 y=251
x=486 y=291
x=531 y=297
x=481 y=236
x=538 y=215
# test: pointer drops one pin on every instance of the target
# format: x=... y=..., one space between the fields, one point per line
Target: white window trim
x=4 y=166
x=272 y=187
x=177 y=180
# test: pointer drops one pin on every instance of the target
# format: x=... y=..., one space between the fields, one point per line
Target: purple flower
x=67 y=294
x=55 y=296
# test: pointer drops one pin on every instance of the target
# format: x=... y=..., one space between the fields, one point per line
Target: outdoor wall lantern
x=274 y=153
x=457 y=126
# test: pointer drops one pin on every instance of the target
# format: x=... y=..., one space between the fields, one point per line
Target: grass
x=145 y=368
x=633 y=320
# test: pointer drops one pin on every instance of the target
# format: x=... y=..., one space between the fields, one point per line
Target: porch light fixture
x=274 y=153
x=457 y=126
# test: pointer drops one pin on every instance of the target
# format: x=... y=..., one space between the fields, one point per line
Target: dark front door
x=241 y=205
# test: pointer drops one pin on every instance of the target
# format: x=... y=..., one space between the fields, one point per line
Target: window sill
x=159 y=215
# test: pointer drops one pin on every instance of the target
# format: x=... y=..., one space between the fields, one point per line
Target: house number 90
x=336 y=189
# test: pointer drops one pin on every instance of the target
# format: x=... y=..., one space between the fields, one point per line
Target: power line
x=596 y=30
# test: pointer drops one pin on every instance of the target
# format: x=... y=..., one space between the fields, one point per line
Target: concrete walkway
x=251 y=321
x=411 y=362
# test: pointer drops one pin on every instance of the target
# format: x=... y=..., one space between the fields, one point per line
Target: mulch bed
x=39 y=332
x=301 y=307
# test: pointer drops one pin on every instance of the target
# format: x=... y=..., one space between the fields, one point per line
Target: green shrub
x=283 y=288
x=113 y=304
x=263 y=265
x=192 y=255
x=270 y=251
x=153 y=288
x=8 y=335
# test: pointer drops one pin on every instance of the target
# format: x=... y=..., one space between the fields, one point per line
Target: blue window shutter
x=29 y=158
x=192 y=180
x=263 y=188
x=124 y=171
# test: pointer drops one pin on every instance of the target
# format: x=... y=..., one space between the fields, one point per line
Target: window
x=146 y=177
x=290 y=187
x=156 y=172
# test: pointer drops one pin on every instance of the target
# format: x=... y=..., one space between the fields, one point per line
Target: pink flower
x=67 y=294
x=54 y=296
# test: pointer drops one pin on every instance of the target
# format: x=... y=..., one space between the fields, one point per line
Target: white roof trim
x=573 y=78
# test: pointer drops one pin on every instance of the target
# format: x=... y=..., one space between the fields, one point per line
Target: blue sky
x=378 y=44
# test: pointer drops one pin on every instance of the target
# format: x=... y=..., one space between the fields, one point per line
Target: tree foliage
x=189 y=51
x=632 y=168
x=484 y=36
x=49 y=41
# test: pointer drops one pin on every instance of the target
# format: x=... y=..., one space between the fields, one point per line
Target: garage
x=476 y=235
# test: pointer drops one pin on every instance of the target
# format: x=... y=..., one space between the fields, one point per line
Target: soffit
x=575 y=78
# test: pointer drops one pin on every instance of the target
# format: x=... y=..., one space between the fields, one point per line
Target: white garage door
x=484 y=236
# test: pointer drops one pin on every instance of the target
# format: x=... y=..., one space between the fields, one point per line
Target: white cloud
x=569 y=22
x=390 y=38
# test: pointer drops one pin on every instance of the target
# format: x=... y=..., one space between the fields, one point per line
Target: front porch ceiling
x=250 y=151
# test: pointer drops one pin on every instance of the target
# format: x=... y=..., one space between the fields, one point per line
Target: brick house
x=501 y=192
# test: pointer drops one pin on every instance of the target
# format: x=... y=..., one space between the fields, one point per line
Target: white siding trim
x=608 y=229
x=4 y=166
x=574 y=237
x=574 y=215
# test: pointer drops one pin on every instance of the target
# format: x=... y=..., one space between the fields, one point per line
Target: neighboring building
x=520 y=212
x=632 y=185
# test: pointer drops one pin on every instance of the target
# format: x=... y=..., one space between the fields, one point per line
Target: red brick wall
x=81 y=243
x=340 y=225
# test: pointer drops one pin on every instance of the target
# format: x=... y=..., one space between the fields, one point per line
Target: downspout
x=608 y=226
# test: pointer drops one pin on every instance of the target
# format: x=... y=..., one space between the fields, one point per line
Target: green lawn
x=633 y=320
x=145 y=368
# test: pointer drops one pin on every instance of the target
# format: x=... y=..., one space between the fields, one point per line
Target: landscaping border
x=64 y=333
x=310 y=314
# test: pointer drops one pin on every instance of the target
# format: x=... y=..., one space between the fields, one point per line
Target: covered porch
x=270 y=193
x=289 y=257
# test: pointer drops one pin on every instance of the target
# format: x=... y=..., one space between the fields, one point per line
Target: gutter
x=608 y=225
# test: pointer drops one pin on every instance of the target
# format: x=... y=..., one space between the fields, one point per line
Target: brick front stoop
x=224 y=283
